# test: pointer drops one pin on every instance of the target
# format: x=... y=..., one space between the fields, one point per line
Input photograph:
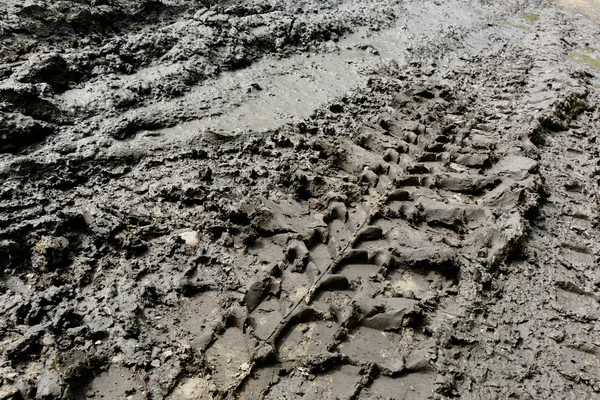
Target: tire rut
x=387 y=265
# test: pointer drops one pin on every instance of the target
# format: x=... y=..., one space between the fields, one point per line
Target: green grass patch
x=590 y=61
x=529 y=17
x=589 y=49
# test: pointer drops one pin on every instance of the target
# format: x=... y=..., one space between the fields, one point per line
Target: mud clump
x=49 y=253
x=562 y=117
x=18 y=131
x=51 y=69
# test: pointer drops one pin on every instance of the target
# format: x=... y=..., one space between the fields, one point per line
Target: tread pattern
x=353 y=304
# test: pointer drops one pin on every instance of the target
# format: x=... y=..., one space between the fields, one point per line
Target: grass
x=529 y=17
x=590 y=61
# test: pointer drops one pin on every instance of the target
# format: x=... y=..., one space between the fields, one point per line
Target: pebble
x=191 y=238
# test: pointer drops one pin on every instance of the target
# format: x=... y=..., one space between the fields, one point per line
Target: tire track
x=343 y=269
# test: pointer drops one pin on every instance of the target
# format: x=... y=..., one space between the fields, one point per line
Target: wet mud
x=318 y=200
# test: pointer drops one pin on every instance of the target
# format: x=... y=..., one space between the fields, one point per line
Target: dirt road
x=316 y=199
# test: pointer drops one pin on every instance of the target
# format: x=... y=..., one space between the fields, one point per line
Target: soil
x=333 y=199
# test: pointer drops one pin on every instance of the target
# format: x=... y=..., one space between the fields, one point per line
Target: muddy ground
x=334 y=199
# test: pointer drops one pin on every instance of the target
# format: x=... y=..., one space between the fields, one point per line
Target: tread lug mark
x=371 y=232
x=336 y=211
x=368 y=288
x=391 y=156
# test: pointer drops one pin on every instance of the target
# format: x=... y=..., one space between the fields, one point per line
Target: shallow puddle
x=271 y=93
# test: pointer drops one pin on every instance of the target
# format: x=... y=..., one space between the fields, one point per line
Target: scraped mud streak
x=335 y=200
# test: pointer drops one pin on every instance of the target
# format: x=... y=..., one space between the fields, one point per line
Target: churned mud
x=315 y=199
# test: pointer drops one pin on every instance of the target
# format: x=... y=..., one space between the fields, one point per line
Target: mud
x=338 y=200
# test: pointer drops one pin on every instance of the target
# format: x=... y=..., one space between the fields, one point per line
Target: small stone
x=191 y=238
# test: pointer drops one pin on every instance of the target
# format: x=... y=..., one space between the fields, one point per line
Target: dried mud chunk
x=481 y=142
x=435 y=148
x=306 y=340
x=400 y=100
x=18 y=131
x=410 y=181
x=505 y=197
x=442 y=214
x=418 y=361
x=411 y=137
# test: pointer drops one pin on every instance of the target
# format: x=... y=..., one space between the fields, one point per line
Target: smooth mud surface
x=315 y=199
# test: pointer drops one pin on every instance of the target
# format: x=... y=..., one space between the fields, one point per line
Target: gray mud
x=313 y=199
